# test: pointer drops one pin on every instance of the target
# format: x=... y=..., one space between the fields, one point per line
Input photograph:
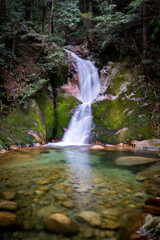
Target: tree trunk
x=85 y=6
x=51 y=27
x=144 y=30
x=68 y=35
x=3 y=7
x=90 y=22
x=44 y=20
x=12 y=54
x=28 y=10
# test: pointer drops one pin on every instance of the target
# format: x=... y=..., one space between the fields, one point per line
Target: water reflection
x=78 y=161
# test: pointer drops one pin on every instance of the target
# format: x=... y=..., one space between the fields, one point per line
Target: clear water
x=44 y=179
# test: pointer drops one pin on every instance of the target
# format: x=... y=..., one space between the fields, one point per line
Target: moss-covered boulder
x=65 y=106
x=36 y=115
x=126 y=116
x=47 y=110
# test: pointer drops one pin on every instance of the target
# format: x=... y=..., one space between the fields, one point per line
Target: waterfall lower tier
x=80 y=126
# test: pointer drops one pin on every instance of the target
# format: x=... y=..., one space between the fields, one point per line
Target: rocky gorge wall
x=122 y=112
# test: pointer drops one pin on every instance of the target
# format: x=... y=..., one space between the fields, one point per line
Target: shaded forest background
x=112 y=29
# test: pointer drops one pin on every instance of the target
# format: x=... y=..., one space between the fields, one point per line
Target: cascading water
x=80 y=125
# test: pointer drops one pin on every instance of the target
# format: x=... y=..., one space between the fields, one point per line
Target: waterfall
x=81 y=123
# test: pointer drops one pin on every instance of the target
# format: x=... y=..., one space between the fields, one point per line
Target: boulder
x=60 y=223
x=134 y=160
x=150 y=144
x=8 y=219
x=90 y=217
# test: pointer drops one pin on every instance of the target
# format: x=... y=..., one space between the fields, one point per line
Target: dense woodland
x=114 y=29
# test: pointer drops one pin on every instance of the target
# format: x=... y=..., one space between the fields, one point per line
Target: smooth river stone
x=134 y=160
x=90 y=217
x=44 y=211
x=60 y=223
x=60 y=197
x=43 y=181
x=147 y=174
x=113 y=212
x=68 y=204
x=109 y=224
x=8 y=219
x=8 y=205
x=9 y=195
x=58 y=187
x=86 y=232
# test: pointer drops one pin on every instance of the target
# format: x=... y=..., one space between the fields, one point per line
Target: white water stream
x=79 y=128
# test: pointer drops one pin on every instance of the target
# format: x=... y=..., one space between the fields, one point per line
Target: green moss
x=65 y=108
x=121 y=120
x=14 y=127
x=47 y=109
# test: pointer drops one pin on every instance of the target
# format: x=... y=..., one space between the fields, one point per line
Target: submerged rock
x=109 y=224
x=68 y=204
x=44 y=211
x=134 y=160
x=9 y=195
x=90 y=217
x=8 y=219
x=8 y=205
x=60 y=223
x=147 y=174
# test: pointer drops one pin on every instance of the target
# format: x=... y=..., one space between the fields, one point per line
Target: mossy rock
x=47 y=109
x=65 y=106
x=36 y=117
x=1 y=145
x=121 y=120
x=119 y=74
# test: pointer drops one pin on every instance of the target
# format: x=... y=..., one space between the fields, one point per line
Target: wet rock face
x=61 y=224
